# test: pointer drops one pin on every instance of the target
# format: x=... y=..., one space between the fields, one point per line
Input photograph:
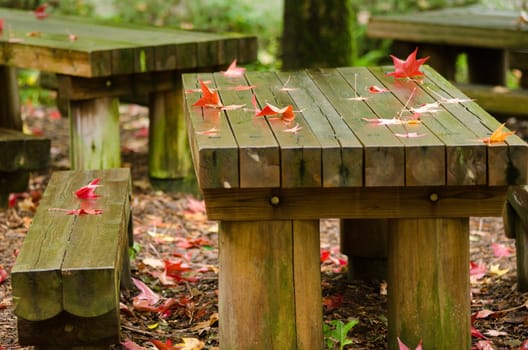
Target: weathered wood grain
x=10 y=106
x=104 y=49
x=427 y=258
x=300 y=152
x=19 y=151
x=259 y=154
x=214 y=149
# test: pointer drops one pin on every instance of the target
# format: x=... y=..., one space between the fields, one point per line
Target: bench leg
x=365 y=243
x=10 y=106
x=270 y=285
x=429 y=283
x=487 y=66
x=94 y=134
x=169 y=152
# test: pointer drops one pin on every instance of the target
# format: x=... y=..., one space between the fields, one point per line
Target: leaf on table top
x=88 y=191
x=427 y=108
x=410 y=135
x=286 y=112
x=498 y=135
x=209 y=97
x=1 y=25
x=240 y=87
x=402 y=346
x=408 y=68
x=501 y=250
x=390 y=121
x=374 y=89
x=233 y=70
x=40 y=12
x=294 y=130
x=79 y=212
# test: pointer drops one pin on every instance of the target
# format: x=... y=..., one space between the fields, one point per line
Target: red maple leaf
x=409 y=68
x=209 y=98
x=269 y=109
x=88 y=191
x=40 y=12
x=3 y=274
x=1 y=25
x=233 y=70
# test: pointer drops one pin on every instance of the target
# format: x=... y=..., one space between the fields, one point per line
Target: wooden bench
x=67 y=276
x=494 y=41
x=269 y=180
x=19 y=155
x=97 y=62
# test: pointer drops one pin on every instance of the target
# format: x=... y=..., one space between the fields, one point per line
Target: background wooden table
x=494 y=40
x=96 y=62
x=269 y=181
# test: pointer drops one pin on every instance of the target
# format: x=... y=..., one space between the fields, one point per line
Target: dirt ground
x=173 y=225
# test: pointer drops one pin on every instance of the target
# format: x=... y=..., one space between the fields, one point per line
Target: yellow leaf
x=191 y=344
x=153 y=326
x=498 y=135
x=495 y=269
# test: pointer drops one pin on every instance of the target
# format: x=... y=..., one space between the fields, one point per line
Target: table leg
x=169 y=152
x=270 y=285
x=10 y=106
x=487 y=66
x=94 y=134
x=429 y=283
x=365 y=243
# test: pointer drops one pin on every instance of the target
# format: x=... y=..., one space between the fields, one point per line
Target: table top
x=88 y=48
x=465 y=26
x=435 y=135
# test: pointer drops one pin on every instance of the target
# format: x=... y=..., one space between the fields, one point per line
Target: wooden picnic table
x=269 y=180
x=96 y=62
x=494 y=40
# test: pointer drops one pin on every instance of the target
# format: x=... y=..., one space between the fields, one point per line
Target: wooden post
x=94 y=134
x=10 y=106
x=365 y=242
x=169 y=152
x=429 y=283
x=270 y=285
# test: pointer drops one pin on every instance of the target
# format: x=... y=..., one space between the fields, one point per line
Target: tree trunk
x=317 y=33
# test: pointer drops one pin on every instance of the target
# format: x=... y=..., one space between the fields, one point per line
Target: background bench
x=106 y=61
x=66 y=278
x=19 y=155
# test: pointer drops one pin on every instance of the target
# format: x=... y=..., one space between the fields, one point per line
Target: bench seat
x=66 y=279
x=19 y=154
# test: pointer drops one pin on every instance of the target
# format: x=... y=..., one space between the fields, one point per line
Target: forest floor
x=173 y=225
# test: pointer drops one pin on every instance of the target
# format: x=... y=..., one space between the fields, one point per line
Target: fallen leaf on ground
x=402 y=346
x=501 y=250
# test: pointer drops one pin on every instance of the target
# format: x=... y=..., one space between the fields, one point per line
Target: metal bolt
x=275 y=200
x=433 y=197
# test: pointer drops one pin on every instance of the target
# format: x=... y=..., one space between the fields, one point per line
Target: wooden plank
x=266 y=280
x=383 y=151
x=259 y=157
x=301 y=156
x=213 y=146
x=92 y=263
x=342 y=152
x=424 y=155
x=464 y=152
x=464 y=27
x=361 y=203
x=19 y=151
x=36 y=276
x=103 y=48
x=429 y=273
